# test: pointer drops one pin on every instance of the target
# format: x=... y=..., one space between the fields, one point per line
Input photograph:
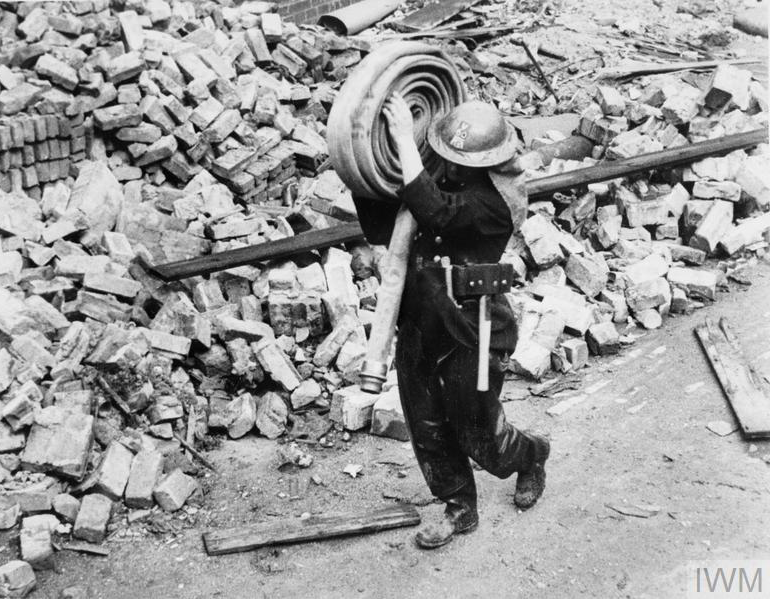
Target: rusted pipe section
x=357 y=17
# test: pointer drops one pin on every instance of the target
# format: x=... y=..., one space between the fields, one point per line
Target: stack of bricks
x=170 y=91
x=39 y=149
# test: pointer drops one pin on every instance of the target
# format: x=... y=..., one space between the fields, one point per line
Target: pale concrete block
x=648 y=294
x=603 y=339
x=312 y=278
x=750 y=230
x=66 y=506
x=111 y=476
x=576 y=351
x=307 y=392
x=649 y=319
x=17 y=578
x=93 y=517
x=59 y=442
x=651 y=267
x=698 y=283
x=250 y=330
x=352 y=408
x=542 y=239
x=717 y=190
x=714 y=226
x=35 y=540
x=388 y=417
x=618 y=303
x=588 y=273
x=754 y=179
x=531 y=359
x=174 y=489
x=242 y=415
x=272 y=415
x=277 y=364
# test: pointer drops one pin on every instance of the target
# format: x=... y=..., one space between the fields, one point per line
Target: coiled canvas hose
x=359 y=145
x=365 y=159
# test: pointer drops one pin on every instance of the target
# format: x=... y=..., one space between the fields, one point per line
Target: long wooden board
x=748 y=396
x=433 y=14
x=637 y=69
x=536 y=189
x=665 y=159
x=303 y=242
x=315 y=528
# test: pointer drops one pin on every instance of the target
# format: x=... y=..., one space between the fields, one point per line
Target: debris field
x=160 y=132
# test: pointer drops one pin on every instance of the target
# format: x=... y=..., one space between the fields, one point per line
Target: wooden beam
x=312 y=240
x=638 y=69
x=743 y=387
x=452 y=32
x=433 y=14
x=664 y=159
x=315 y=528
x=536 y=188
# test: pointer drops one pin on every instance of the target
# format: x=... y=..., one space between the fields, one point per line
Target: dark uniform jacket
x=471 y=225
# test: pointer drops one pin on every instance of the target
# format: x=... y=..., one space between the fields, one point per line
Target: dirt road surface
x=639 y=436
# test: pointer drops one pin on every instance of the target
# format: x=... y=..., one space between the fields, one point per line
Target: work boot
x=459 y=517
x=530 y=483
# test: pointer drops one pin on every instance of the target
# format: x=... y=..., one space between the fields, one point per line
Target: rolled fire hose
x=366 y=160
x=359 y=145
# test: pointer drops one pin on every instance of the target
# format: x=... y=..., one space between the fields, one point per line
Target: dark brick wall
x=308 y=11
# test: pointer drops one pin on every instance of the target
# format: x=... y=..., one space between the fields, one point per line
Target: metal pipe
x=357 y=17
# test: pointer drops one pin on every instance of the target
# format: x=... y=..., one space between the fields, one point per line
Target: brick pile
x=162 y=133
x=166 y=92
x=629 y=252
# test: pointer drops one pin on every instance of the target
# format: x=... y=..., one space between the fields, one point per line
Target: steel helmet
x=473 y=134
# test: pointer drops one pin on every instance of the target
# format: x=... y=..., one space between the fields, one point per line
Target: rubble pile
x=164 y=92
x=161 y=133
x=166 y=131
x=631 y=251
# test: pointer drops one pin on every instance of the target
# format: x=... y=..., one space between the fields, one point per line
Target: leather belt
x=475 y=280
x=481 y=279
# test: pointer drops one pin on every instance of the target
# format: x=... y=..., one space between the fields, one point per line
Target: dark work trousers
x=450 y=421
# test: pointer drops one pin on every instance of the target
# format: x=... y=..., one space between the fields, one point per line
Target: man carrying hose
x=453 y=273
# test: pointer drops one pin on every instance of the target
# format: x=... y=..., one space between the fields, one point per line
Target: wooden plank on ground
x=315 y=528
x=312 y=240
x=748 y=396
x=433 y=14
